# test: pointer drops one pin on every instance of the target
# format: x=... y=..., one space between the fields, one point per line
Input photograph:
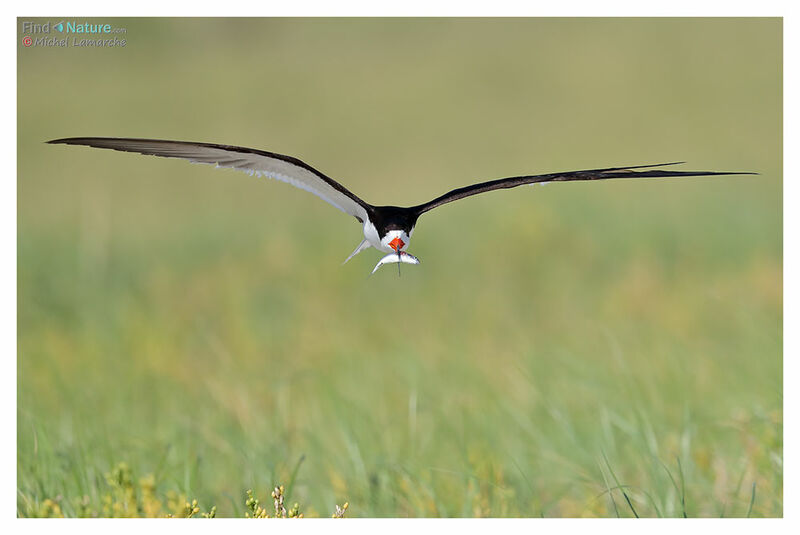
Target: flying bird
x=386 y=228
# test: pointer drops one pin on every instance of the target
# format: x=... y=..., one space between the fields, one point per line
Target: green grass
x=576 y=350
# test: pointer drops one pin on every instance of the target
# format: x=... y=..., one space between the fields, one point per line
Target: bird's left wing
x=588 y=174
x=253 y=161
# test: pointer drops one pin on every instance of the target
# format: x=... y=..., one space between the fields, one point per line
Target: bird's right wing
x=253 y=161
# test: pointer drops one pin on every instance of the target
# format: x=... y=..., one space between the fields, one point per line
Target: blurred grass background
x=197 y=323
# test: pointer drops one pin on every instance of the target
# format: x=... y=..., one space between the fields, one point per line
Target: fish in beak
x=396 y=258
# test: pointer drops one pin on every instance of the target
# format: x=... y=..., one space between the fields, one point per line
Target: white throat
x=383 y=244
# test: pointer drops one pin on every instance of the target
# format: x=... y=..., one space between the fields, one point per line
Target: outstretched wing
x=253 y=161
x=589 y=174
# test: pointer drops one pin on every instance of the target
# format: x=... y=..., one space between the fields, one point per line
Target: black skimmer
x=386 y=228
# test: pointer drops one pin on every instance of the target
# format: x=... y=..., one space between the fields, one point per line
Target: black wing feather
x=178 y=149
x=588 y=174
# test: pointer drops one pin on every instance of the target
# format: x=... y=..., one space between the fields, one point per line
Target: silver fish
x=393 y=258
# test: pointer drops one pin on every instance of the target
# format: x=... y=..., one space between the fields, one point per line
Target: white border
x=406 y=8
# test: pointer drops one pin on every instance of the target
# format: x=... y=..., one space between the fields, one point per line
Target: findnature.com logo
x=73 y=33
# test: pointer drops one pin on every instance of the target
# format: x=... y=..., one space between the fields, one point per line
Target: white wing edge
x=355 y=209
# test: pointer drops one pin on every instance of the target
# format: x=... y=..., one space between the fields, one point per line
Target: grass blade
x=608 y=489
x=292 y=478
x=683 y=488
x=752 y=500
x=619 y=486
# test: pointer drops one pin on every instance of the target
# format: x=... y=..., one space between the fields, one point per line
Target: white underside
x=371 y=234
